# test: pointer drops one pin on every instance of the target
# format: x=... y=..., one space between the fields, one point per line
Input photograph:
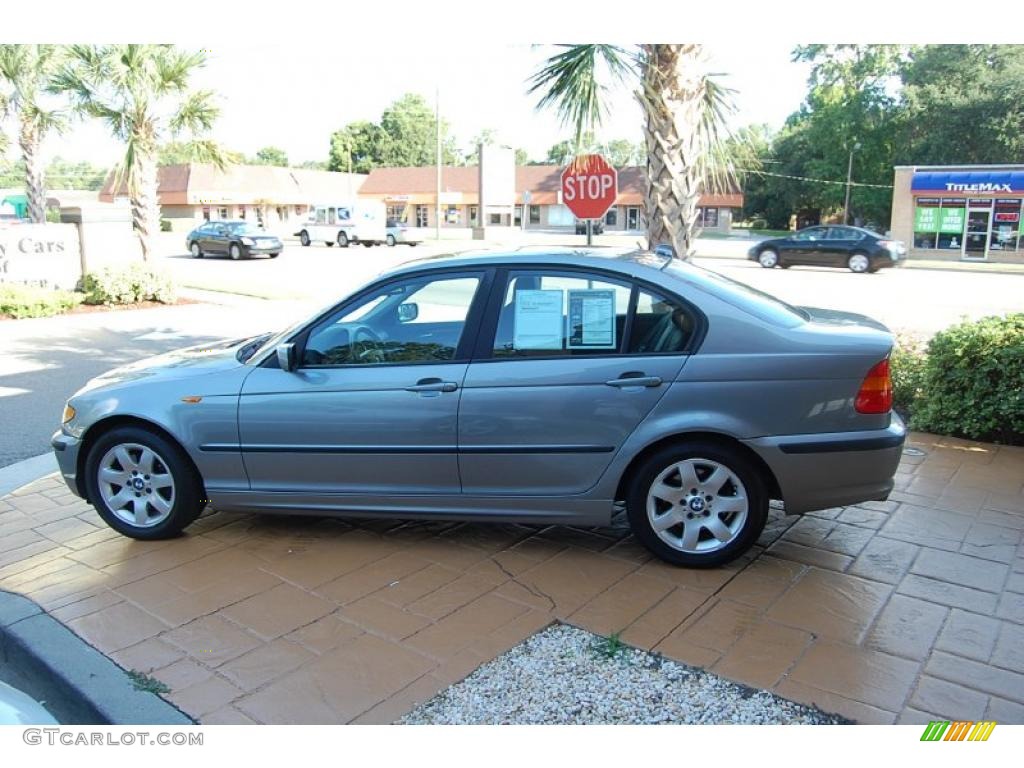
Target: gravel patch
x=564 y=675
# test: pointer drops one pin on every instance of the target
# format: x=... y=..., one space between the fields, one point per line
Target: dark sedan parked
x=237 y=239
x=859 y=250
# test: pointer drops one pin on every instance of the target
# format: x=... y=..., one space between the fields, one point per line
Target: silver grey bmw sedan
x=538 y=386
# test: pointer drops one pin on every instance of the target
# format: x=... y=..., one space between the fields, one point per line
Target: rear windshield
x=758 y=303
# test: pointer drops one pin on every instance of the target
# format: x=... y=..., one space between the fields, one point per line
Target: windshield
x=244 y=228
x=762 y=304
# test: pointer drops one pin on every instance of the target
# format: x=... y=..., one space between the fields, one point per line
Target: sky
x=294 y=95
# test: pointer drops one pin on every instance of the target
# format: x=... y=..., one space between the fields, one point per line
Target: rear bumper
x=65 y=448
x=833 y=469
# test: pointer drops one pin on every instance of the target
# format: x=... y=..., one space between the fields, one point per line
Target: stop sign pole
x=590 y=186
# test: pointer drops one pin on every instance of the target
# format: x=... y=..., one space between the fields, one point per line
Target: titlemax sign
x=979 y=187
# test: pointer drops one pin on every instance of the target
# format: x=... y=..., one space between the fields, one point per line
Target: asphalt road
x=46 y=360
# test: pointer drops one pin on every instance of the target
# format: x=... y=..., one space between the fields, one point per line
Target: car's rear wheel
x=858 y=263
x=275 y=255
x=196 y=251
x=329 y=244
x=304 y=238
x=235 y=251
x=342 y=240
x=391 y=241
x=142 y=484
x=368 y=243
x=768 y=258
x=697 y=504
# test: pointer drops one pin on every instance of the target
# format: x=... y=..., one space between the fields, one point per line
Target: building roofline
x=995 y=166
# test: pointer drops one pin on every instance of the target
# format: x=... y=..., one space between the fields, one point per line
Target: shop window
x=535 y=214
x=707 y=218
x=206 y=213
x=1006 y=222
x=241 y=211
x=951 y=224
x=473 y=216
x=452 y=216
x=222 y=213
x=422 y=216
x=926 y=222
x=399 y=213
x=494 y=218
x=611 y=218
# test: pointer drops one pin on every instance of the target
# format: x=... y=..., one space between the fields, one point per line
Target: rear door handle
x=432 y=385
x=635 y=379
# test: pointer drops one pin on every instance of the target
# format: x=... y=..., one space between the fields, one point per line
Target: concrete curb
x=21 y=473
x=61 y=667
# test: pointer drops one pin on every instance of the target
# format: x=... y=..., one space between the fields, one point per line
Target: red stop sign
x=589 y=186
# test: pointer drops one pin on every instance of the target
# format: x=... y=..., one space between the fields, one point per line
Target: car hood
x=190 y=362
x=835 y=317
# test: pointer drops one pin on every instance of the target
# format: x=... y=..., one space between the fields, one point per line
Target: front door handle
x=432 y=385
x=635 y=379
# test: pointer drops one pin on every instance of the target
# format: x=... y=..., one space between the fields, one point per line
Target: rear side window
x=565 y=314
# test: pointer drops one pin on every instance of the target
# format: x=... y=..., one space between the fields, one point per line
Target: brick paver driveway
x=902 y=611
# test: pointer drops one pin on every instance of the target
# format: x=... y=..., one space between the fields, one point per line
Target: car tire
x=368 y=244
x=125 y=453
x=768 y=258
x=235 y=251
x=859 y=263
x=660 y=487
x=275 y=255
x=391 y=241
x=196 y=251
x=304 y=239
x=329 y=244
x=342 y=240
x=412 y=245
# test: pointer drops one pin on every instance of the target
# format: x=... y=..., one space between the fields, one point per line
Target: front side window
x=809 y=235
x=416 y=321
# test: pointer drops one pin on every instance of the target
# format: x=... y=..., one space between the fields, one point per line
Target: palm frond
x=725 y=151
x=196 y=113
x=570 y=82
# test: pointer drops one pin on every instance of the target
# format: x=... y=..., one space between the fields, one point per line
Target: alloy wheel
x=768 y=259
x=859 y=263
x=136 y=484
x=697 y=506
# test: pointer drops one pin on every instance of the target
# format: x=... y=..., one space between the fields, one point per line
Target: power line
x=818 y=181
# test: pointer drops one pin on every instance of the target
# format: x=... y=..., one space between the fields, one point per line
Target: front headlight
x=248 y=241
x=69 y=413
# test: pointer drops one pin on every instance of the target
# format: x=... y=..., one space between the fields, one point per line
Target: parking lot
x=916 y=300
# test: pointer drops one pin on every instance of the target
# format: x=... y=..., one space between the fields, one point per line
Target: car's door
x=839 y=244
x=568 y=365
x=807 y=246
x=372 y=406
x=219 y=239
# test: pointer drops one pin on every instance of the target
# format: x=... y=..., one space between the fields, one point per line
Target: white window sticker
x=591 y=319
x=538 y=320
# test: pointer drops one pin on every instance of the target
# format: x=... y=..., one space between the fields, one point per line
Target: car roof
x=845 y=226
x=627 y=261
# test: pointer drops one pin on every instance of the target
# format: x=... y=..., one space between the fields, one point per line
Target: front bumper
x=65 y=448
x=833 y=469
x=250 y=250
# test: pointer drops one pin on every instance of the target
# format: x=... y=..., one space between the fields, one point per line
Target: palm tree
x=25 y=72
x=685 y=111
x=142 y=93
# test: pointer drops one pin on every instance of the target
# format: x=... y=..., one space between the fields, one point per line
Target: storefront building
x=968 y=213
x=277 y=198
x=410 y=195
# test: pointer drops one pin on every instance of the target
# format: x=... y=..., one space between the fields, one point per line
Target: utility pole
x=849 y=176
x=437 y=200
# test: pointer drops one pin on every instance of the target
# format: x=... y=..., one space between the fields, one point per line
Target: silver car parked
x=532 y=386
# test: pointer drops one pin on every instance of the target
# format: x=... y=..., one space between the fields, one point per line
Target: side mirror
x=286 y=356
x=408 y=312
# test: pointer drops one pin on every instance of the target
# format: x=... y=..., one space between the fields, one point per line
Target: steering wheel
x=367 y=346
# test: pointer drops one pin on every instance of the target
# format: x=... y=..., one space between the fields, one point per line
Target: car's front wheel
x=768 y=258
x=235 y=251
x=142 y=484
x=196 y=251
x=697 y=504
x=304 y=238
x=391 y=241
x=342 y=240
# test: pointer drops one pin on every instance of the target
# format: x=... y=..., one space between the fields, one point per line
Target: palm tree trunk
x=145 y=206
x=671 y=94
x=35 y=188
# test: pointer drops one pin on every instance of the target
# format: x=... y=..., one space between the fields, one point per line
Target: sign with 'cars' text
x=43 y=255
x=590 y=185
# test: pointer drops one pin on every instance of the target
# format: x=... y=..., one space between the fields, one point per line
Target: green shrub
x=973 y=381
x=165 y=225
x=128 y=285
x=20 y=301
x=907 y=367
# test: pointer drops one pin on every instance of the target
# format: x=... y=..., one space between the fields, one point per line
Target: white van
x=343 y=223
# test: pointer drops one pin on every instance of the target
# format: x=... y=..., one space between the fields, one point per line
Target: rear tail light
x=875 y=395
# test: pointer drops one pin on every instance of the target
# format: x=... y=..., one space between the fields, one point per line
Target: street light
x=849 y=174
